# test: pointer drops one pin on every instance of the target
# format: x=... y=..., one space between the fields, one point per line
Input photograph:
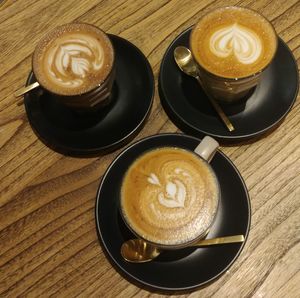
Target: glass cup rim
x=178 y=245
x=44 y=37
x=242 y=77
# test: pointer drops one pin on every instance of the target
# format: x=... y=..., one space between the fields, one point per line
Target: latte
x=73 y=59
x=169 y=196
x=233 y=42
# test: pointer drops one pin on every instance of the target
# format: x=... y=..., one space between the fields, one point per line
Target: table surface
x=48 y=240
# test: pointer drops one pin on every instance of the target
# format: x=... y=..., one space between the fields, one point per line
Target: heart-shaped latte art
x=239 y=40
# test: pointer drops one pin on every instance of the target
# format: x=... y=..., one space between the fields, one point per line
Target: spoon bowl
x=185 y=61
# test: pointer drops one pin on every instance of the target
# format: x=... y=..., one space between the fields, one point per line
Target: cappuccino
x=169 y=196
x=73 y=59
x=233 y=42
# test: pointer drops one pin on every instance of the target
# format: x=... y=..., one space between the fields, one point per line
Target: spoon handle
x=26 y=89
x=220 y=240
x=218 y=109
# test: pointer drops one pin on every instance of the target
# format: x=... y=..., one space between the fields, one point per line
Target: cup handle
x=207 y=148
x=26 y=89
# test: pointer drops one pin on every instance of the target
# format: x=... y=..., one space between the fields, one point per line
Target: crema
x=73 y=59
x=233 y=42
x=169 y=196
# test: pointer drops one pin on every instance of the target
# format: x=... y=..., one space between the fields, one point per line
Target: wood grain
x=48 y=241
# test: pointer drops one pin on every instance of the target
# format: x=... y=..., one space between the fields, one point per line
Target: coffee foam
x=234 y=39
x=233 y=42
x=169 y=196
x=73 y=59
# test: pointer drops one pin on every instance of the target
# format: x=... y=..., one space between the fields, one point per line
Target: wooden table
x=48 y=240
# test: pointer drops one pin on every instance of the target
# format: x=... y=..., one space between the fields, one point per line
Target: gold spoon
x=139 y=251
x=186 y=63
x=26 y=89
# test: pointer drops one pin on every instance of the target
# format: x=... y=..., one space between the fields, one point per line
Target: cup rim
x=235 y=79
x=178 y=245
x=33 y=64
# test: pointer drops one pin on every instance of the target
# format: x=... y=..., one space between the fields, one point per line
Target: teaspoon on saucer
x=186 y=63
x=23 y=90
x=26 y=89
x=139 y=251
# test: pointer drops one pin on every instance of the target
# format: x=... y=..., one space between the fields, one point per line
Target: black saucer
x=71 y=133
x=187 y=268
x=262 y=110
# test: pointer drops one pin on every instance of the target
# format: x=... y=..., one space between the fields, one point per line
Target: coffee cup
x=232 y=47
x=170 y=196
x=75 y=64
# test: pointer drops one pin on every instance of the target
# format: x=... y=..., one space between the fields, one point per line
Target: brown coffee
x=233 y=42
x=73 y=59
x=169 y=196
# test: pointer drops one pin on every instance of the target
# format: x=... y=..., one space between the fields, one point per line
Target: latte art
x=74 y=58
x=242 y=42
x=233 y=43
x=169 y=196
x=173 y=193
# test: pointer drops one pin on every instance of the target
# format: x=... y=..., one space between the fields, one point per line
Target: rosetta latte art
x=242 y=42
x=74 y=58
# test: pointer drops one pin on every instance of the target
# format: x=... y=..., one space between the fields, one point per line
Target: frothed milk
x=73 y=59
x=233 y=42
x=169 y=196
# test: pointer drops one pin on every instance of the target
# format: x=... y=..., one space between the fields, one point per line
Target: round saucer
x=265 y=107
x=182 y=269
x=68 y=132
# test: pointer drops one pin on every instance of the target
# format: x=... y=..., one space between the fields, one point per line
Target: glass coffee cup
x=75 y=64
x=232 y=47
x=170 y=196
